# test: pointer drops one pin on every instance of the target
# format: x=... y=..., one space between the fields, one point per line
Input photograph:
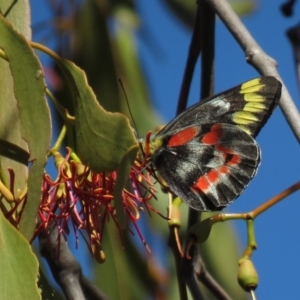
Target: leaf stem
x=62 y=111
x=59 y=139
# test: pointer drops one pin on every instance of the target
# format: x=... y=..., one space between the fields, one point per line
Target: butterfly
x=207 y=155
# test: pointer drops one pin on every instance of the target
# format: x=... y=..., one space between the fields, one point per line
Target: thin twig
x=208 y=51
x=194 y=52
x=276 y=199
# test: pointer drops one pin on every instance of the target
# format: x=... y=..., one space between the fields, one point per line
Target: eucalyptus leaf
x=18 y=265
x=118 y=269
x=18 y=14
x=102 y=138
x=29 y=88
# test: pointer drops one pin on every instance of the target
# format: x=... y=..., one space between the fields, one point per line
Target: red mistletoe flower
x=84 y=199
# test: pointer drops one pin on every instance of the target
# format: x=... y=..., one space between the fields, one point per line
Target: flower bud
x=247 y=275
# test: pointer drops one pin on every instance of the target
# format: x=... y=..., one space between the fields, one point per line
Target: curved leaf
x=102 y=138
x=29 y=87
x=18 y=265
x=9 y=113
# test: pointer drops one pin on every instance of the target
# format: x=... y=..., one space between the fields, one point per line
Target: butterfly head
x=149 y=145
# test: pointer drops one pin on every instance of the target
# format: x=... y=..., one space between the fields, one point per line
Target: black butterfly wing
x=248 y=106
x=211 y=169
x=207 y=155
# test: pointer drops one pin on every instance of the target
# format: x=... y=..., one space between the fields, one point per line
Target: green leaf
x=9 y=113
x=185 y=10
x=132 y=72
x=18 y=14
x=123 y=172
x=116 y=277
x=102 y=138
x=97 y=58
x=243 y=7
x=18 y=265
x=29 y=87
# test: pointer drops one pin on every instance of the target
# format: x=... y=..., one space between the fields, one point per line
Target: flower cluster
x=84 y=200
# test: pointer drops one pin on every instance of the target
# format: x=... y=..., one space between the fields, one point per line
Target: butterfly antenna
x=130 y=112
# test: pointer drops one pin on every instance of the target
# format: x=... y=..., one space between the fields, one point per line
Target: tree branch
x=255 y=56
x=207 y=280
x=65 y=269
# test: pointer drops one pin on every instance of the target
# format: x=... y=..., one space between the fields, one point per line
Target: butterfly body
x=207 y=155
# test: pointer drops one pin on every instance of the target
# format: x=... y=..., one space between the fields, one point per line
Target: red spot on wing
x=201 y=184
x=224 y=149
x=209 y=179
x=213 y=136
x=183 y=136
x=223 y=170
x=235 y=160
x=204 y=181
x=212 y=176
x=228 y=155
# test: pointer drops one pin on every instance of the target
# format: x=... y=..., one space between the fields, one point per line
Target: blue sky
x=277 y=231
